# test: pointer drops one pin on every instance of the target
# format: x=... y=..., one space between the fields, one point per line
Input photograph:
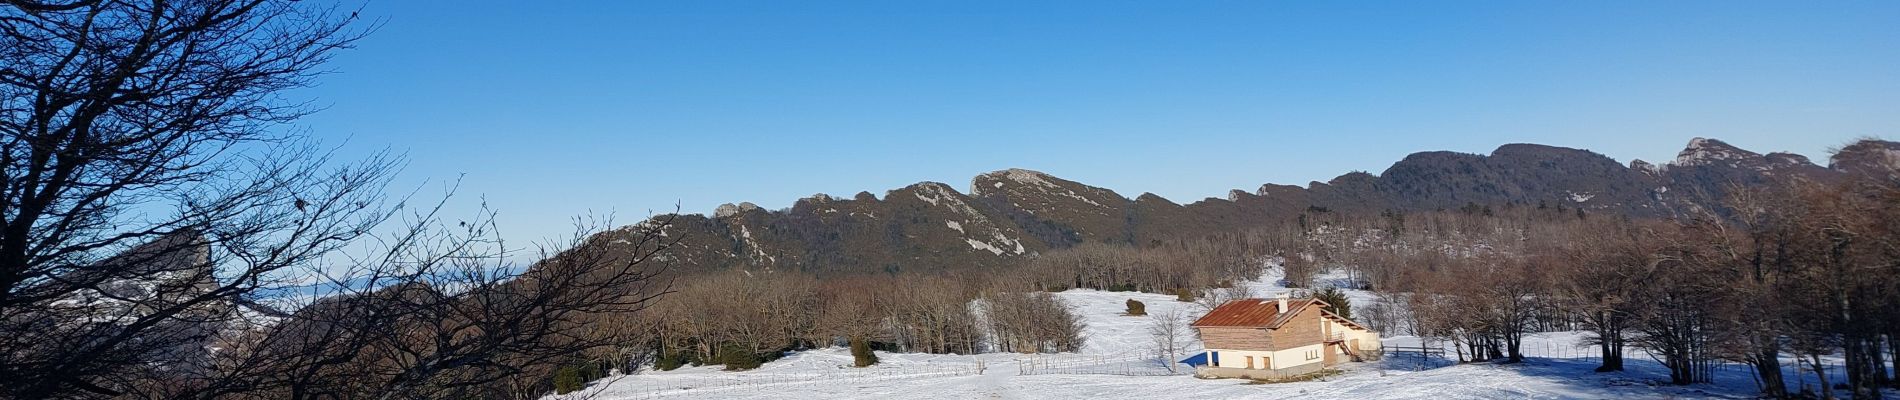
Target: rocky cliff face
x=1054 y=211
x=1012 y=214
x=1871 y=157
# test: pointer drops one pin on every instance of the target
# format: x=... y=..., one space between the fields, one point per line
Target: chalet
x=1278 y=338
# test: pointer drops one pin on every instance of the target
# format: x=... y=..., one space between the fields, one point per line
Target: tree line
x=1798 y=269
x=741 y=317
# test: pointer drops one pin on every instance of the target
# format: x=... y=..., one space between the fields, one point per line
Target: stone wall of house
x=1236 y=338
x=1304 y=329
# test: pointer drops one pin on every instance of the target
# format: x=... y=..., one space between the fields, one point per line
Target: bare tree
x=152 y=209
x=1610 y=263
x=1387 y=314
x=1171 y=334
x=145 y=128
x=1679 y=320
x=1031 y=323
x=442 y=313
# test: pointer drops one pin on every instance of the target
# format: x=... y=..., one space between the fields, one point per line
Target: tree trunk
x=1612 y=355
x=1893 y=347
x=1859 y=364
x=1878 y=361
x=1514 y=346
x=1679 y=372
x=1768 y=369
x=1827 y=390
x=1610 y=342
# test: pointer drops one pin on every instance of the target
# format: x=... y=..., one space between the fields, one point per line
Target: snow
x=980 y=245
x=931 y=199
x=1007 y=245
x=758 y=252
x=1581 y=197
x=939 y=195
x=1558 y=368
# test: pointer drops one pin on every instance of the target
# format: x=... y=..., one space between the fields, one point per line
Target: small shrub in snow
x=574 y=378
x=861 y=353
x=739 y=358
x=567 y=379
x=668 y=361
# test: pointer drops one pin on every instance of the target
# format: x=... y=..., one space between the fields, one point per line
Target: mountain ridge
x=1009 y=214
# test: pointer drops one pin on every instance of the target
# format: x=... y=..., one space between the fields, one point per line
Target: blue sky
x=560 y=109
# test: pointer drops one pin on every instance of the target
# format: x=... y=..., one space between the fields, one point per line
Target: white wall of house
x=1368 y=340
x=1274 y=359
x=1299 y=356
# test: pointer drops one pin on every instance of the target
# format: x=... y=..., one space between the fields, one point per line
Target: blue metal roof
x=1204 y=358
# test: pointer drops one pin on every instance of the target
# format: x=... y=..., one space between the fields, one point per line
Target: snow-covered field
x=1558 y=368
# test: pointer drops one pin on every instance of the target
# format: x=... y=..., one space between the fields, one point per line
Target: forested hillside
x=1007 y=215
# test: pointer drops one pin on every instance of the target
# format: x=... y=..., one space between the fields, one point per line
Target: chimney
x=1282 y=303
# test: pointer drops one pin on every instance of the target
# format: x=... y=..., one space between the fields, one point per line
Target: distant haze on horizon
x=551 y=112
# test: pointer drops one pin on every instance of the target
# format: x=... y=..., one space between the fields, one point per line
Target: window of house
x=1312 y=354
x=1249 y=362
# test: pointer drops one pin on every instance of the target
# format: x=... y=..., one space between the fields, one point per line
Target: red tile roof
x=1252 y=313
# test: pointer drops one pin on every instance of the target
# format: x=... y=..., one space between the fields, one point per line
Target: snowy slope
x=1558 y=369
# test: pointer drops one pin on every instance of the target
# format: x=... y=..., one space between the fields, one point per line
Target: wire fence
x=1795 y=369
x=660 y=386
x=1141 y=363
x=1798 y=372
